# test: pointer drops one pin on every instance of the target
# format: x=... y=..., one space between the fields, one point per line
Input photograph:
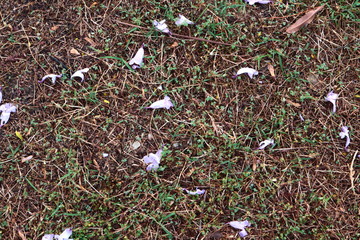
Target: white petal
x=161 y=26
x=250 y=72
x=243 y=233
x=153 y=160
x=183 y=21
x=1 y=95
x=80 y=73
x=252 y=2
x=65 y=234
x=8 y=107
x=52 y=76
x=105 y=155
x=266 y=143
x=48 y=237
x=138 y=58
x=165 y=103
x=240 y=225
x=197 y=192
x=4 y=118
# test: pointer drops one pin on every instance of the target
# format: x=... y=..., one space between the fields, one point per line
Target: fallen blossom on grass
x=48 y=237
x=52 y=76
x=63 y=236
x=1 y=95
x=332 y=97
x=6 y=109
x=164 y=103
x=252 y=2
x=197 y=192
x=161 y=26
x=137 y=60
x=80 y=74
x=345 y=134
x=241 y=226
x=153 y=160
x=266 y=143
x=183 y=21
x=250 y=72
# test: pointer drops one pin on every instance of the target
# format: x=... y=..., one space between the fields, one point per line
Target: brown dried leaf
x=271 y=70
x=92 y=42
x=25 y=159
x=74 y=51
x=21 y=235
x=175 y=44
x=293 y=103
x=304 y=20
x=54 y=28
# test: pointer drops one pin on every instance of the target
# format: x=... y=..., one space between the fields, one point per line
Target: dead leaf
x=304 y=20
x=22 y=235
x=25 y=159
x=74 y=51
x=175 y=44
x=293 y=103
x=92 y=42
x=271 y=70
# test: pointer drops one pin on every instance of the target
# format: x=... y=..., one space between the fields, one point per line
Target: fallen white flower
x=345 y=134
x=165 y=103
x=48 y=237
x=250 y=72
x=137 y=60
x=64 y=235
x=183 y=21
x=332 y=97
x=266 y=143
x=197 y=192
x=252 y=2
x=153 y=160
x=1 y=94
x=161 y=26
x=105 y=155
x=80 y=74
x=6 y=109
x=52 y=76
x=241 y=226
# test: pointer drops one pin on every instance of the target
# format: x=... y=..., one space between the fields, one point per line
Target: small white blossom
x=250 y=72
x=80 y=74
x=241 y=226
x=345 y=134
x=153 y=160
x=332 y=97
x=6 y=109
x=183 y=21
x=252 y=2
x=161 y=26
x=266 y=143
x=165 y=103
x=105 y=155
x=48 y=237
x=197 y=192
x=63 y=236
x=1 y=95
x=137 y=60
x=52 y=76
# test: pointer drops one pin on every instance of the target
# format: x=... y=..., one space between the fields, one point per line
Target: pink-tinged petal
x=137 y=60
x=332 y=97
x=48 y=237
x=153 y=160
x=161 y=26
x=266 y=143
x=165 y=103
x=80 y=74
x=249 y=71
x=52 y=76
x=197 y=192
x=240 y=224
x=183 y=21
x=345 y=134
x=152 y=167
x=252 y=2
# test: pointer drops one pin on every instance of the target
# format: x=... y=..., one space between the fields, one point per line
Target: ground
x=53 y=174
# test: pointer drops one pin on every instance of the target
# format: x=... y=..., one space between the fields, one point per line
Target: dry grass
x=306 y=187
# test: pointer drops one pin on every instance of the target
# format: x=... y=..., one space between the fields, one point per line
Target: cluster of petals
x=153 y=160
x=164 y=103
x=63 y=236
x=196 y=192
x=345 y=134
x=241 y=225
x=161 y=26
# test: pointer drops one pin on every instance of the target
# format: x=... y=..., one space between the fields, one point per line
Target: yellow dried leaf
x=106 y=101
x=293 y=103
x=18 y=134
